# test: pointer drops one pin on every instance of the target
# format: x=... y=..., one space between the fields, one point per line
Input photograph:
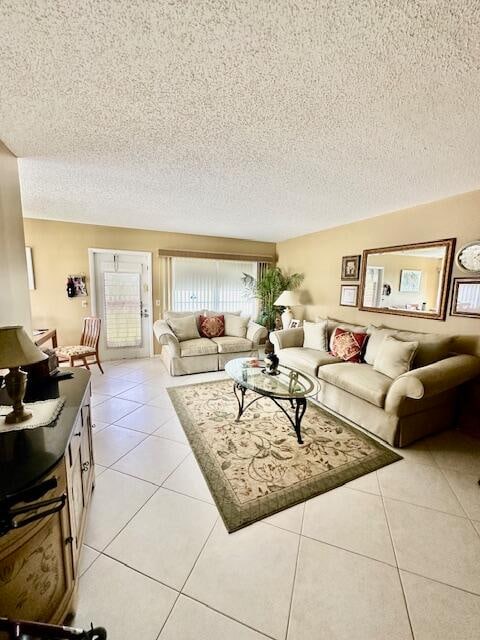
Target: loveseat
x=201 y=354
x=399 y=410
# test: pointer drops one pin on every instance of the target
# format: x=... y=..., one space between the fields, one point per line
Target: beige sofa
x=204 y=354
x=400 y=411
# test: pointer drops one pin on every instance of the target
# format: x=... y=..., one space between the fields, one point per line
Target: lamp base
x=17 y=415
x=15 y=383
x=287 y=316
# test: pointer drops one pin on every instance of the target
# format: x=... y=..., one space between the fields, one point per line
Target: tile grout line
x=227 y=615
x=295 y=573
x=385 y=513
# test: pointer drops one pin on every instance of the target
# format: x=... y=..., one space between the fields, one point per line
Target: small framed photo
x=80 y=284
x=294 y=324
x=410 y=280
x=351 y=267
x=349 y=295
x=466 y=297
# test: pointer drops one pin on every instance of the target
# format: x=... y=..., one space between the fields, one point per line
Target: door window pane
x=122 y=309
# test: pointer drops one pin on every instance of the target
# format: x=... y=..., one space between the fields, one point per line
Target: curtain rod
x=172 y=253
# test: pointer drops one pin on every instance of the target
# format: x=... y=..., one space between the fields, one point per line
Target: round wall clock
x=468 y=257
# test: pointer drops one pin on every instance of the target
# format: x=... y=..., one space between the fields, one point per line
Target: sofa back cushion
x=212 y=327
x=375 y=339
x=236 y=326
x=184 y=314
x=432 y=347
x=209 y=313
x=347 y=345
x=185 y=328
x=315 y=335
x=394 y=357
x=333 y=324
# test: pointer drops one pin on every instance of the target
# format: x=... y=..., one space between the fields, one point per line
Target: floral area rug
x=255 y=467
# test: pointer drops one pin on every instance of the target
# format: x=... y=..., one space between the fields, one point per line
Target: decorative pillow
x=394 y=357
x=212 y=326
x=347 y=345
x=315 y=335
x=376 y=337
x=185 y=328
x=236 y=326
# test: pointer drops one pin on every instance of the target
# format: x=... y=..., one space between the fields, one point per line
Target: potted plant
x=267 y=289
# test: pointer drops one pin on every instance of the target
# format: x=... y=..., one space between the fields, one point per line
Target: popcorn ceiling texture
x=254 y=119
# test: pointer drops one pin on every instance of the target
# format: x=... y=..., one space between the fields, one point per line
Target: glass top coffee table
x=289 y=385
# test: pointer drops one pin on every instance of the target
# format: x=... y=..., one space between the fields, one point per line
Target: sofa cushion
x=209 y=313
x=360 y=380
x=183 y=314
x=197 y=347
x=185 y=328
x=394 y=357
x=432 y=347
x=236 y=326
x=212 y=326
x=230 y=344
x=308 y=360
x=376 y=337
x=347 y=345
x=315 y=335
x=333 y=324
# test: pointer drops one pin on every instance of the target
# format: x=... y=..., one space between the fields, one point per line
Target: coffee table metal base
x=298 y=405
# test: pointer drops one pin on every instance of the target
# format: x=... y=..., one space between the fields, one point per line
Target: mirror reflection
x=408 y=280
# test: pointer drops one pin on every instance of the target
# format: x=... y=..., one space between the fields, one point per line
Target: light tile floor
x=394 y=554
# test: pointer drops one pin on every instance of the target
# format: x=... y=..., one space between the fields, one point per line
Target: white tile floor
x=394 y=554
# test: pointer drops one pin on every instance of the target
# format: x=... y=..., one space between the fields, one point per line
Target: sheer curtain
x=211 y=284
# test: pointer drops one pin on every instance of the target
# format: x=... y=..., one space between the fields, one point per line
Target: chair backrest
x=91 y=332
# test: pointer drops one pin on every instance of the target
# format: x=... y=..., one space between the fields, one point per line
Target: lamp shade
x=287 y=299
x=17 y=348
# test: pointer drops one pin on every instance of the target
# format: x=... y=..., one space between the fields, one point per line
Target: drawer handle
x=85 y=466
x=78 y=434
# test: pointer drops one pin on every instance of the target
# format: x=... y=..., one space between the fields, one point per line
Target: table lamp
x=287 y=299
x=17 y=349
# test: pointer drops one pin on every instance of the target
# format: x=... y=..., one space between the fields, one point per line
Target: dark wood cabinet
x=39 y=562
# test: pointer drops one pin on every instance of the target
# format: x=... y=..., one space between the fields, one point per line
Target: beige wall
x=14 y=294
x=319 y=255
x=61 y=248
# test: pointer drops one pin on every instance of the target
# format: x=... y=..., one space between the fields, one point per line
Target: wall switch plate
x=84 y=304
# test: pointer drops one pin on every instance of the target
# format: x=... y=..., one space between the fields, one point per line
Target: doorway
x=121 y=283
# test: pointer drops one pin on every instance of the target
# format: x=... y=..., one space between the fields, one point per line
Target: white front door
x=123 y=300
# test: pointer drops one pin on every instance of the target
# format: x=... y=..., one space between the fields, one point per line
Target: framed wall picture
x=349 y=295
x=410 y=280
x=351 y=267
x=466 y=297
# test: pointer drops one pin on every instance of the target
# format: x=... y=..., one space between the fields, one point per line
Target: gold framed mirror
x=408 y=280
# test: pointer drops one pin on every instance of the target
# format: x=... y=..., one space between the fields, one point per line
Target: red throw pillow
x=347 y=345
x=212 y=326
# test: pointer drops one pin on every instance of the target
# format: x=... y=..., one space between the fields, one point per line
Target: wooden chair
x=88 y=347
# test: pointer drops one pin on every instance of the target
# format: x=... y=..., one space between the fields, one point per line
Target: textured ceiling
x=254 y=119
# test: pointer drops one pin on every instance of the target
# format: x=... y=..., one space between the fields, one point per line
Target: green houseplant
x=267 y=289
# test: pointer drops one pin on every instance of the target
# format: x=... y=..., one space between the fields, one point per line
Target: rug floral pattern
x=256 y=467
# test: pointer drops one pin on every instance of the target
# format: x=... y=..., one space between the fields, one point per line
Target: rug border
x=234 y=516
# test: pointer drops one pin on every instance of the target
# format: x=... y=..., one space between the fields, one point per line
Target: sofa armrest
x=286 y=338
x=431 y=380
x=255 y=332
x=166 y=337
